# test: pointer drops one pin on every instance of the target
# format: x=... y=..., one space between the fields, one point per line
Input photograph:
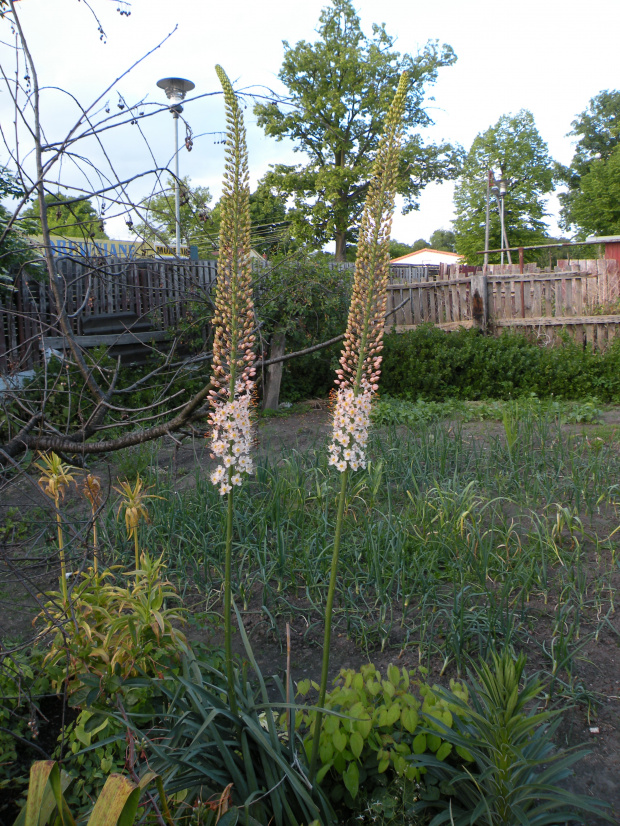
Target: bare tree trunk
x=271 y=395
x=341 y=246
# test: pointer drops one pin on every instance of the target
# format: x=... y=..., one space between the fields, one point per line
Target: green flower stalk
x=233 y=346
x=360 y=362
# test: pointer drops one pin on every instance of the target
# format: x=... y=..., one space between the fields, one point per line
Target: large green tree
x=200 y=224
x=514 y=148
x=71 y=220
x=195 y=217
x=339 y=92
x=269 y=223
x=591 y=203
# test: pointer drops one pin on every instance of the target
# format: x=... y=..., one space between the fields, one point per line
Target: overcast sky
x=544 y=55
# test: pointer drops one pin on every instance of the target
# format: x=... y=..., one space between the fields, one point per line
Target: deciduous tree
x=515 y=148
x=443 y=239
x=591 y=203
x=340 y=89
x=76 y=219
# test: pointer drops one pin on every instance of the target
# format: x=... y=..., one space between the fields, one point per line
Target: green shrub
x=433 y=365
x=374 y=727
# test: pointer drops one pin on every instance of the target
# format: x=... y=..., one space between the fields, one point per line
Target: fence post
x=479 y=304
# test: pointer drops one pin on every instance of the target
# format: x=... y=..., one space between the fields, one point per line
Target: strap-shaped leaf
x=117 y=804
x=45 y=795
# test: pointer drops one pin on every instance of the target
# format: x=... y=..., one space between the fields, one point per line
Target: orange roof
x=425 y=249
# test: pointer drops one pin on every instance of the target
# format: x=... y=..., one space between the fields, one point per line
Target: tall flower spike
x=360 y=361
x=233 y=347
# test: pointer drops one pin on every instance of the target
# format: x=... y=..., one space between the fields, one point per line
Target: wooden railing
x=120 y=304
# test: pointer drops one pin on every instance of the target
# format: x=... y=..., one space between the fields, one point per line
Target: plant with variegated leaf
x=360 y=361
x=117 y=804
x=114 y=632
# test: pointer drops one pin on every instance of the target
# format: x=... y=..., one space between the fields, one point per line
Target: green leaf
x=339 y=740
x=356 y=744
x=433 y=741
x=326 y=750
x=409 y=719
x=419 y=744
x=443 y=751
x=351 y=778
x=364 y=727
x=393 y=675
x=393 y=714
x=323 y=771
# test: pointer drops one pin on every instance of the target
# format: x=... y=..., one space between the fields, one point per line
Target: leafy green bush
x=373 y=727
x=433 y=365
x=516 y=768
x=113 y=633
x=387 y=411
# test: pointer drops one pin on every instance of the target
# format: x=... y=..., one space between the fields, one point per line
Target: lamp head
x=175 y=88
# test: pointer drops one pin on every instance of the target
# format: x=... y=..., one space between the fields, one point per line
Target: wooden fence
x=128 y=305
x=119 y=304
x=582 y=297
x=125 y=305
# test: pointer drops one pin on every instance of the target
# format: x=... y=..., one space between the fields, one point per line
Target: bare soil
x=597 y=667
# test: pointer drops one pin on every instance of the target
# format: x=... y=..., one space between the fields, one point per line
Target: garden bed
x=460 y=537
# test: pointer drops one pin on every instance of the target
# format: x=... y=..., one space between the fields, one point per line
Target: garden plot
x=459 y=539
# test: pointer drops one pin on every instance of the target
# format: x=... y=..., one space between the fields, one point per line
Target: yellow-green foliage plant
x=54 y=480
x=92 y=492
x=360 y=361
x=374 y=726
x=115 y=632
x=133 y=504
x=117 y=804
x=233 y=353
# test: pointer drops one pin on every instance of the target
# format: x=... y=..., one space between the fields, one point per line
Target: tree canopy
x=73 y=220
x=200 y=224
x=340 y=89
x=195 y=217
x=591 y=203
x=514 y=148
x=443 y=239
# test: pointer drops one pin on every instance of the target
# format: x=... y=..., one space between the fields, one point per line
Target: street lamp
x=176 y=88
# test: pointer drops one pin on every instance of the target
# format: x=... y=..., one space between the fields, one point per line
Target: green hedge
x=433 y=365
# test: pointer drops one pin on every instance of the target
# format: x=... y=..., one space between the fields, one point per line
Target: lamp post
x=176 y=88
